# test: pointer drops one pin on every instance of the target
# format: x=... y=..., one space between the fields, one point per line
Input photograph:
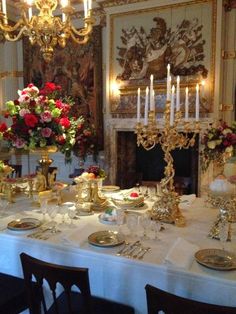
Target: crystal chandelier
x=45 y=29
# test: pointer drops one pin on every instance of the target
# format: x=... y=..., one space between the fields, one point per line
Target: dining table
x=120 y=277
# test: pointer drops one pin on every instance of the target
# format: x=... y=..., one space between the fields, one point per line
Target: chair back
x=159 y=300
x=17 y=171
x=40 y=272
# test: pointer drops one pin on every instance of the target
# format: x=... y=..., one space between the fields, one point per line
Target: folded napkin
x=181 y=254
x=79 y=235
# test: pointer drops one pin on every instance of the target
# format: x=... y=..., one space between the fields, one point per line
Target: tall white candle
x=85 y=8
x=4 y=7
x=172 y=104
x=146 y=107
x=30 y=13
x=89 y=4
x=197 y=102
x=168 y=83
x=178 y=94
x=151 y=93
x=138 y=105
x=186 y=104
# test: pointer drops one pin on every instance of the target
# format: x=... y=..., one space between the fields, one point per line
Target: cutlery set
x=133 y=250
x=44 y=233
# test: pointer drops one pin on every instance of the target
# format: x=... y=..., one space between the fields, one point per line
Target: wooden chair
x=159 y=300
x=17 y=171
x=13 y=298
x=182 y=185
x=68 y=301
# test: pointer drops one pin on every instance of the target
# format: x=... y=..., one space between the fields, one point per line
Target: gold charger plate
x=24 y=224
x=216 y=259
x=106 y=238
x=110 y=188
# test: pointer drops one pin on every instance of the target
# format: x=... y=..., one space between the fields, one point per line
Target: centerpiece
x=219 y=144
x=43 y=122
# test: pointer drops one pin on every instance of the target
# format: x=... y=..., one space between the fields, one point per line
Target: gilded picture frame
x=143 y=42
x=78 y=69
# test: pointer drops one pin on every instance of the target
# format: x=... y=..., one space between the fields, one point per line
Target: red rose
x=60 y=139
x=65 y=122
x=3 y=127
x=30 y=120
x=6 y=115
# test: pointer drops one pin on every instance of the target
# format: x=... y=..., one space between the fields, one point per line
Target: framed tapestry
x=78 y=69
x=145 y=41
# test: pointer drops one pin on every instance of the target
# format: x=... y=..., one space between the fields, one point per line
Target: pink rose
x=19 y=142
x=46 y=116
x=46 y=132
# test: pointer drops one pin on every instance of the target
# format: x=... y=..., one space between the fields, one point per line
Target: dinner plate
x=216 y=259
x=110 y=188
x=106 y=238
x=24 y=224
x=105 y=220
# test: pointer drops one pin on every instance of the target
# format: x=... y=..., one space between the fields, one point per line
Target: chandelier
x=45 y=29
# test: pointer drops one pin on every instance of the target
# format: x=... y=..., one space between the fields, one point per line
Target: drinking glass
x=132 y=222
x=71 y=214
x=224 y=232
x=155 y=227
x=44 y=206
x=143 y=190
x=120 y=217
x=145 y=222
x=52 y=212
x=152 y=193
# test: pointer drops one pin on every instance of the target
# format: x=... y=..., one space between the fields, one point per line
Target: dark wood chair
x=159 y=300
x=17 y=171
x=68 y=301
x=13 y=298
x=182 y=185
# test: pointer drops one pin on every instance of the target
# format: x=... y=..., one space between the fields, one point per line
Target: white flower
x=211 y=144
x=229 y=149
x=226 y=131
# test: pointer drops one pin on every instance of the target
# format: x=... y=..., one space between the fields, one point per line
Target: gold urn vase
x=43 y=182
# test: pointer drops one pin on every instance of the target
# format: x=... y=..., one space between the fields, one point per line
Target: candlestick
x=138 y=105
x=197 y=102
x=178 y=94
x=186 y=104
x=146 y=107
x=172 y=106
x=151 y=93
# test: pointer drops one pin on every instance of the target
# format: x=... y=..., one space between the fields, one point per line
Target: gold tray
x=110 y=188
x=216 y=259
x=106 y=238
x=24 y=224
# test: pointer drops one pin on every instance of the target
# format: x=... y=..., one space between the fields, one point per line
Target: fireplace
x=135 y=164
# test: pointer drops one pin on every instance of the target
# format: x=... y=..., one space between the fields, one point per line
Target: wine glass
x=145 y=222
x=120 y=217
x=224 y=232
x=52 y=212
x=155 y=227
x=132 y=222
x=63 y=211
x=44 y=206
x=71 y=214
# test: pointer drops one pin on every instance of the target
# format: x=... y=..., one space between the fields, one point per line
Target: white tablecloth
x=120 y=278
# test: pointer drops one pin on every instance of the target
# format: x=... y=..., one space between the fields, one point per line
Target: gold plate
x=24 y=224
x=110 y=188
x=106 y=238
x=216 y=259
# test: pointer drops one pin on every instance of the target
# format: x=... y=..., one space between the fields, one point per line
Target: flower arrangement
x=218 y=142
x=42 y=118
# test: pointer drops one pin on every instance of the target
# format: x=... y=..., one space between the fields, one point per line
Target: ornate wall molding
x=7 y=74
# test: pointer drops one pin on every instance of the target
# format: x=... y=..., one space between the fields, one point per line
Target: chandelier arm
x=83 y=40
x=9 y=29
x=83 y=31
x=16 y=37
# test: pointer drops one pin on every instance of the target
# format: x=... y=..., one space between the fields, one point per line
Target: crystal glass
x=224 y=232
x=132 y=223
x=145 y=222
x=52 y=212
x=71 y=214
x=43 y=206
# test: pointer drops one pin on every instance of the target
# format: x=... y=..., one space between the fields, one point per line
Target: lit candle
x=146 y=107
x=138 y=105
x=85 y=8
x=178 y=94
x=151 y=93
x=172 y=106
x=197 y=102
x=4 y=11
x=168 y=83
x=203 y=88
x=186 y=104
x=64 y=3
x=89 y=4
x=168 y=93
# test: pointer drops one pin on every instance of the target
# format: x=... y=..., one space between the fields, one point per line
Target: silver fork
x=120 y=252
x=139 y=251
x=144 y=252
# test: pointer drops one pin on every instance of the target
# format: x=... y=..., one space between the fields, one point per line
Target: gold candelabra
x=45 y=29
x=170 y=136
